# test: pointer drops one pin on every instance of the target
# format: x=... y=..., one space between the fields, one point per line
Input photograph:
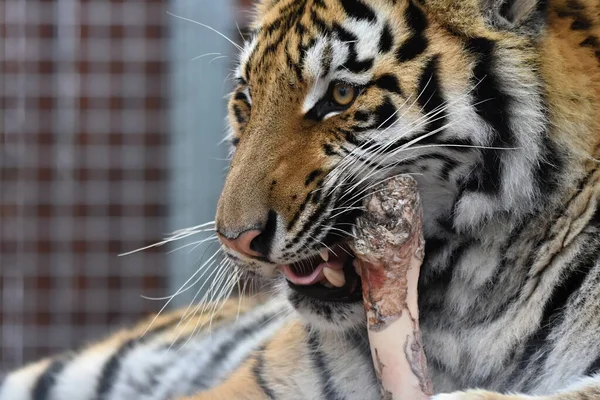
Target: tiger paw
x=483 y=395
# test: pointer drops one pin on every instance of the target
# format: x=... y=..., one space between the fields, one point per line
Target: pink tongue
x=314 y=277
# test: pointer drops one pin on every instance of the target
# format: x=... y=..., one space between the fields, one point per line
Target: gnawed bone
x=389 y=249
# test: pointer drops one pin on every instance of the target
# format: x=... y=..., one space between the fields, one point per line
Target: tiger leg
x=586 y=389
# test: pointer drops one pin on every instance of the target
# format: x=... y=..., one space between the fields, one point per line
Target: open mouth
x=328 y=276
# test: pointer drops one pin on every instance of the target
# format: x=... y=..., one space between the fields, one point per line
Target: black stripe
x=326 y=60
x=415 y=18
x=449 y=166
x=431 y=101
x=308 y=224
x=239 y=117
x=595 y=220
x=298 y=213
x=343 y=34
x=45 y=382
x=318 y=194
x=430 y=88
x=277 y=31
x=329 y=151
x=448 y=163
x=361 y=116
x=324 y=374
x=344 y=222
x=388 y=82
x=257 y=371
x=581 y=23
x=239 y=81
x=350 y=135
x=590 y=41
x=352 y=64
x=385 y=114
x=321 y=25
x=594 y=368
x=502 y=273
x=295 y=66
x=412 y=48
x=241 y=96
x=386 y=41
x=359 y=10
x=111 y=369
x=221 y=353
x=417 y=42
x=436 y=278
x=491 y=104
x=547 y=170
x=312 y=176
x=555 y=306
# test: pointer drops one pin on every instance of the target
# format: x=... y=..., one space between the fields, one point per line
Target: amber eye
x=343 y=94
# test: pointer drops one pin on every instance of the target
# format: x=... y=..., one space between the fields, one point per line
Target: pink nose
x=241 y=244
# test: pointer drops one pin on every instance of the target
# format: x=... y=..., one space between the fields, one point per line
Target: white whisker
x=205 y=55
x=207 y=27
x=179 y=290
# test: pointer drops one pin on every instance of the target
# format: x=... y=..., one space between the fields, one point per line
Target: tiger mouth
x=329 y=276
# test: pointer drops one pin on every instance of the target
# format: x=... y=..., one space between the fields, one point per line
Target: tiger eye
x=343 y=94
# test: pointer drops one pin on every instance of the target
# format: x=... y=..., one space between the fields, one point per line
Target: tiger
x=493 y=107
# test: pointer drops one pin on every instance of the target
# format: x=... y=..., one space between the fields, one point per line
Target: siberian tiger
x=493 y=106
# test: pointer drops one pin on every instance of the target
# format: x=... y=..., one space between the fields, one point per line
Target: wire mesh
x=83 y=170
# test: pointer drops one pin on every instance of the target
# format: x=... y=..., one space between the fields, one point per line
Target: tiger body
x=493 y=107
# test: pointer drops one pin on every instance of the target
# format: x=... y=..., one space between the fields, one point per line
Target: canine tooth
x=335 y=277
x=327 y=284
x=324 y=253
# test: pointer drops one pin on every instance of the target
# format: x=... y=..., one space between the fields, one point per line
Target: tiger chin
x=494 y=107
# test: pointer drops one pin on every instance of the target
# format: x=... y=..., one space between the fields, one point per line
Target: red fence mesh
x=83 y=169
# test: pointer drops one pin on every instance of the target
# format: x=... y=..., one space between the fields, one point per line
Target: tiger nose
x=243 y=243
x=255 y=240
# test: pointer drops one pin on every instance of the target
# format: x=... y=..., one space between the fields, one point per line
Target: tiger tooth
x=324 y=253
x=335 y=277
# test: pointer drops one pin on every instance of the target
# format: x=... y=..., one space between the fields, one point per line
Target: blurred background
x=111 y=117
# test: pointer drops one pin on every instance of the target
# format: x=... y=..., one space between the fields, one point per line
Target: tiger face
x=334 y=96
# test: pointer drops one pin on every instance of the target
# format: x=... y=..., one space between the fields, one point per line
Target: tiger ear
x=526 y=16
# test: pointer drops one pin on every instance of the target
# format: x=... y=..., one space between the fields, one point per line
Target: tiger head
x=334 y=96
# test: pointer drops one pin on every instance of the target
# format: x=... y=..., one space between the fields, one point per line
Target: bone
x=389 y=249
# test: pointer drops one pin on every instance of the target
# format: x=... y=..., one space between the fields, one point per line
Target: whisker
x=177 y=235
x=207 y=27
x=182 y=291
x=195 y=244
x=178 y=291
x=189 y=317
x=205 y=55
x=217 y=58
